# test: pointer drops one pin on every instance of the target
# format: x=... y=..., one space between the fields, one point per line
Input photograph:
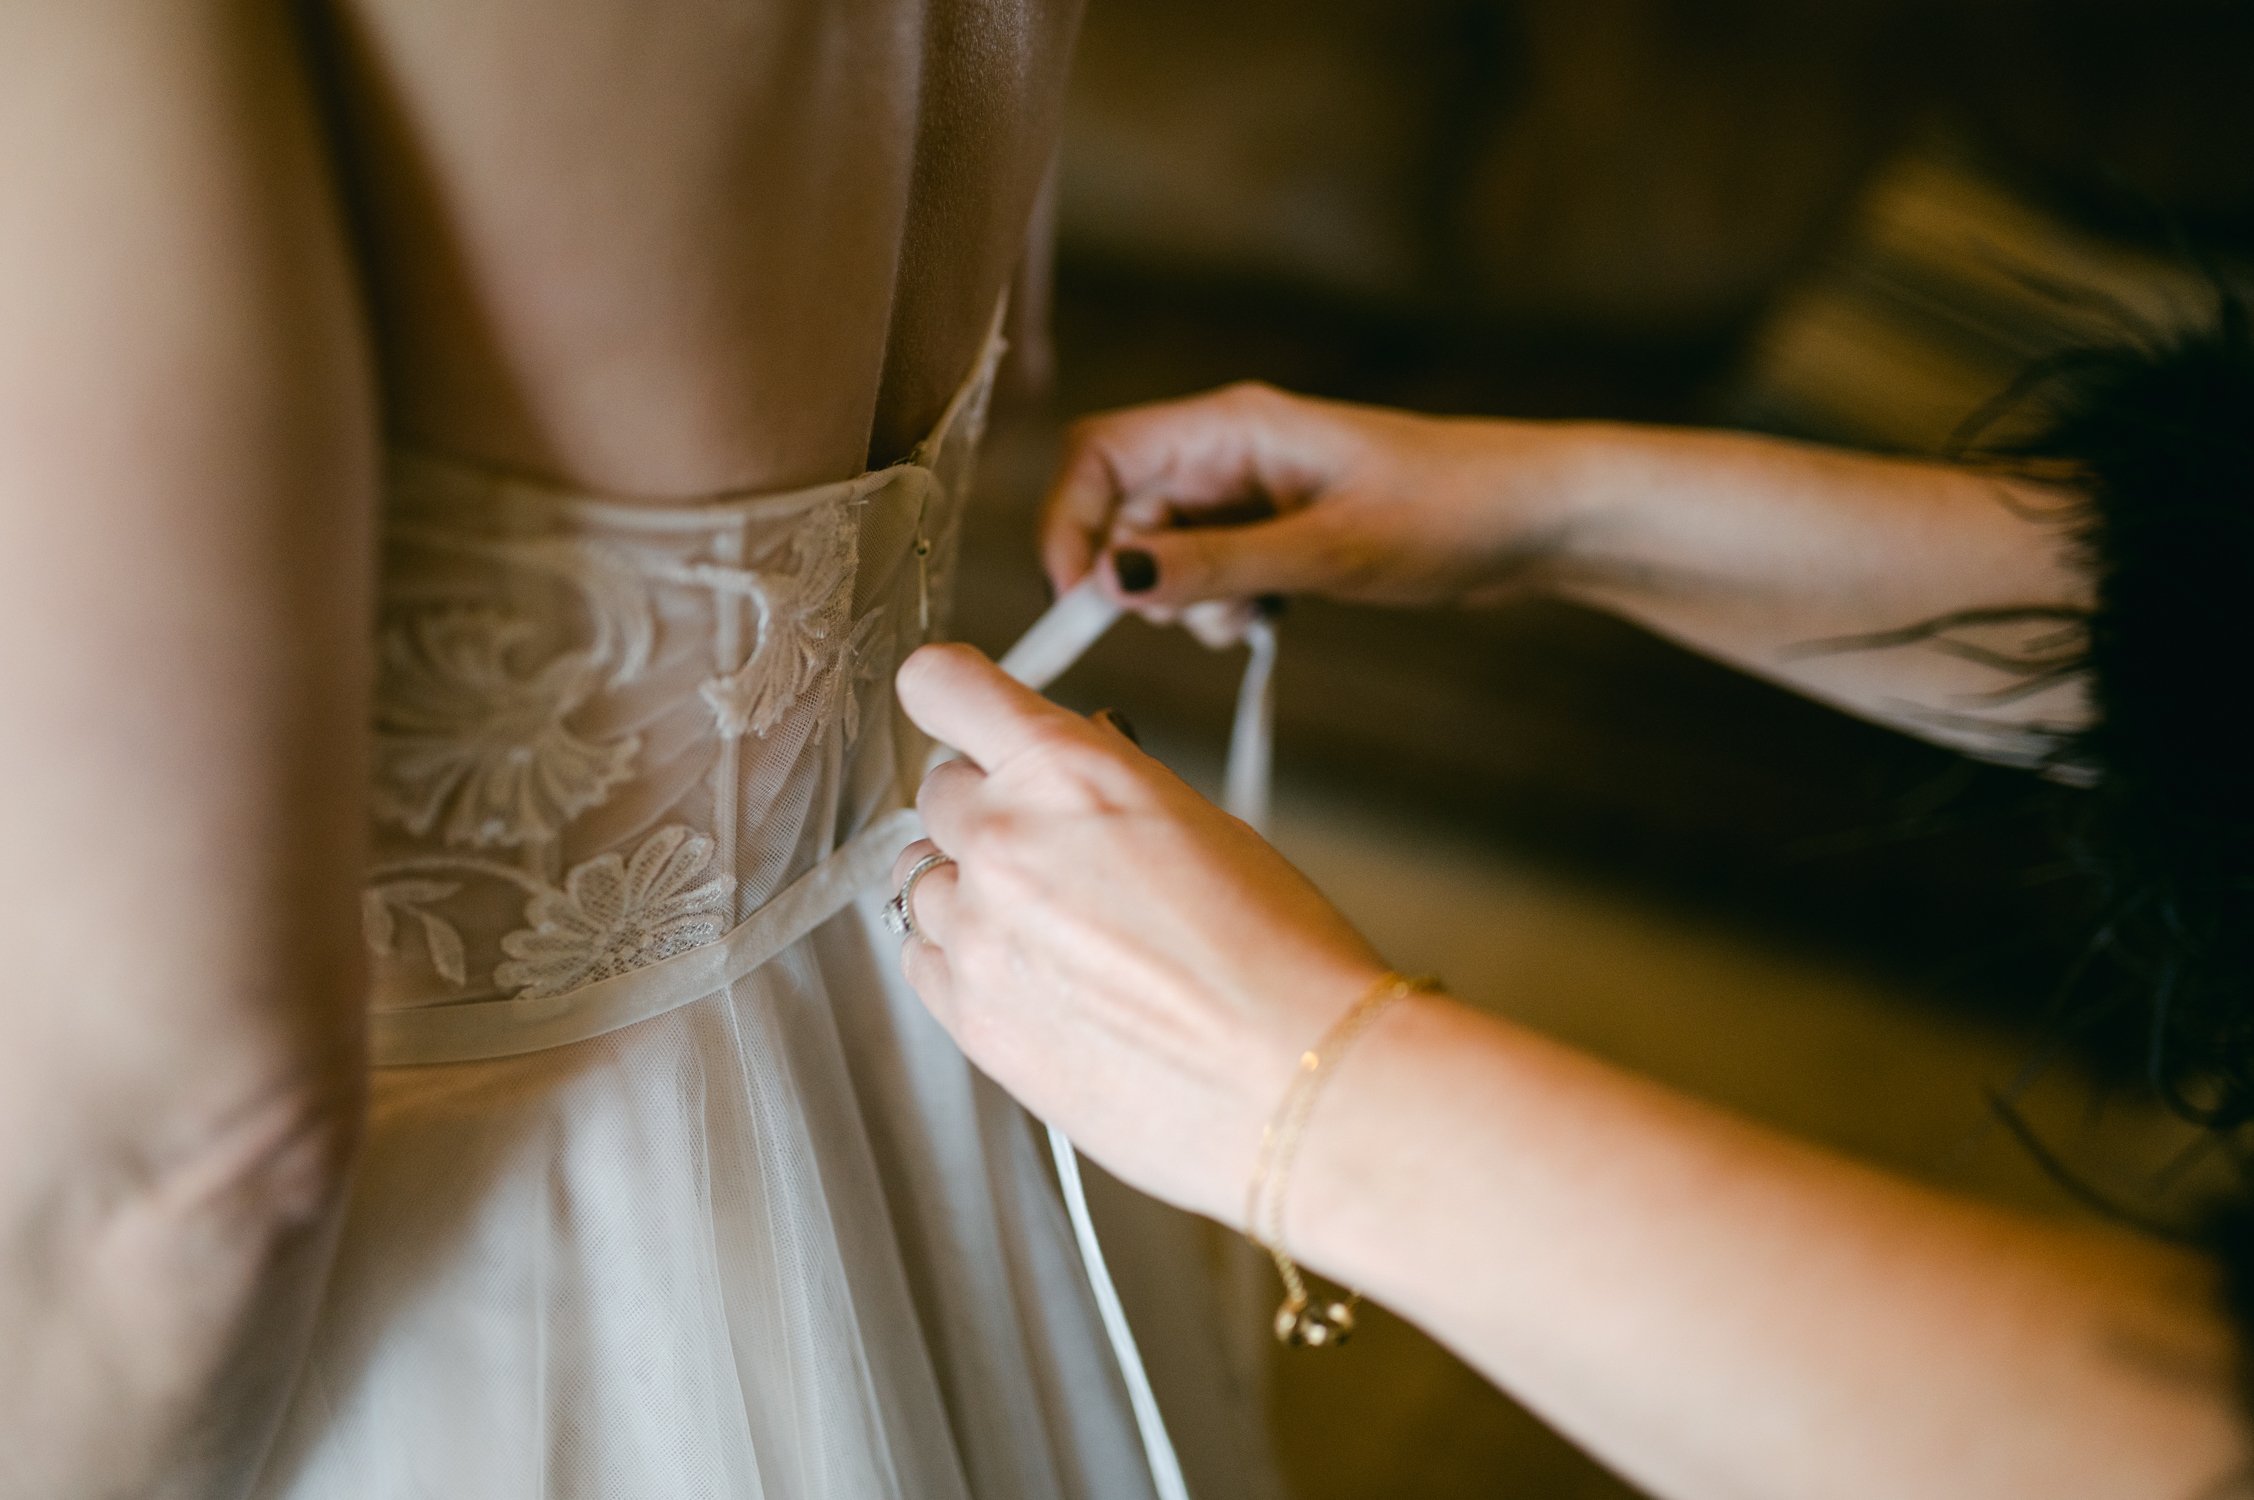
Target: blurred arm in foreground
x=187 y=474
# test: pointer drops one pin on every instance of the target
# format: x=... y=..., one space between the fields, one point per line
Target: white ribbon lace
x=1057 y=640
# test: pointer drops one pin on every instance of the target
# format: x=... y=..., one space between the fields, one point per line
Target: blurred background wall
x=1643 y=170
x=1854 y=221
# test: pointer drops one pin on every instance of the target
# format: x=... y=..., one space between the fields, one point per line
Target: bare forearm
x=1721 y=1312
x=186 y=465
x=1940 y=599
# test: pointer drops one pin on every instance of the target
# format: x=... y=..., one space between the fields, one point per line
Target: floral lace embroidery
x=462 y=738
x=614 y=915
x=383 y=904
x=804 y=614
x=476 y=745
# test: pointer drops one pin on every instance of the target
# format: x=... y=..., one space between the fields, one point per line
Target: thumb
x=1293 y=554
x=960 y=698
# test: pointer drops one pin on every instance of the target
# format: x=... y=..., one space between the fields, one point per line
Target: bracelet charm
x=1301 y=1320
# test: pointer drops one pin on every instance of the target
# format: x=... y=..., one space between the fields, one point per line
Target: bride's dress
x=670 y=1188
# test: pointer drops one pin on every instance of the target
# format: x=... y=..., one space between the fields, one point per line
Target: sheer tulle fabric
x=780 y=1241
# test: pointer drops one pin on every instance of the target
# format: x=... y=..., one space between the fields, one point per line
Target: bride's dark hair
x=2158 y=436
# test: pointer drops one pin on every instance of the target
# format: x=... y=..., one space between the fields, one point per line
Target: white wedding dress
x=670 y=1187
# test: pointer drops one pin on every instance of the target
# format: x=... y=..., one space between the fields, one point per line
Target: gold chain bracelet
x=1299 y=1320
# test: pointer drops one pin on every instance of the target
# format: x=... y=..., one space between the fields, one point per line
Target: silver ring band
x=899 y=912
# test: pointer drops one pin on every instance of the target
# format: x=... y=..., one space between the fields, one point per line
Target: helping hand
x=1250 y=490
x=1129 y=961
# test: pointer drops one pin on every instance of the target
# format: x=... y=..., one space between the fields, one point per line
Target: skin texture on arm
x=1716 y=1310
x=1719 y=1311
x=1942 y=600
x=187 y=469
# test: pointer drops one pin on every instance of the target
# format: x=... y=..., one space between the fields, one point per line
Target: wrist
x=1601 y=477
x=1550 y=504
x=1309 y=1315
x=1288 y=1020
x=1358 y=1169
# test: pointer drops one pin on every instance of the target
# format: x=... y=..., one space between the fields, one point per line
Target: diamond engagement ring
x=899 y=913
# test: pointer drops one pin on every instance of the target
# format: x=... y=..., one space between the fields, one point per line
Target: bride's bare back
x=657 y=247
x=669 y=248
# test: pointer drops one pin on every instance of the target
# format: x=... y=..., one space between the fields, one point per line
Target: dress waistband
x=482 y=1029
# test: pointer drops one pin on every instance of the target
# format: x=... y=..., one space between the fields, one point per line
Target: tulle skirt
x=781 y=1242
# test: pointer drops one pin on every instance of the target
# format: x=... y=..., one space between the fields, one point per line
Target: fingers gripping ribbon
x=1080 y=619
x=1044 y=653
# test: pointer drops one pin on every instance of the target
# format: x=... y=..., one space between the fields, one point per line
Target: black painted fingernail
x=1118 y=721
x=1137 y=571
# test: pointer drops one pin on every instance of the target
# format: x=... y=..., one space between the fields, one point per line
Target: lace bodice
x=607 y=732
